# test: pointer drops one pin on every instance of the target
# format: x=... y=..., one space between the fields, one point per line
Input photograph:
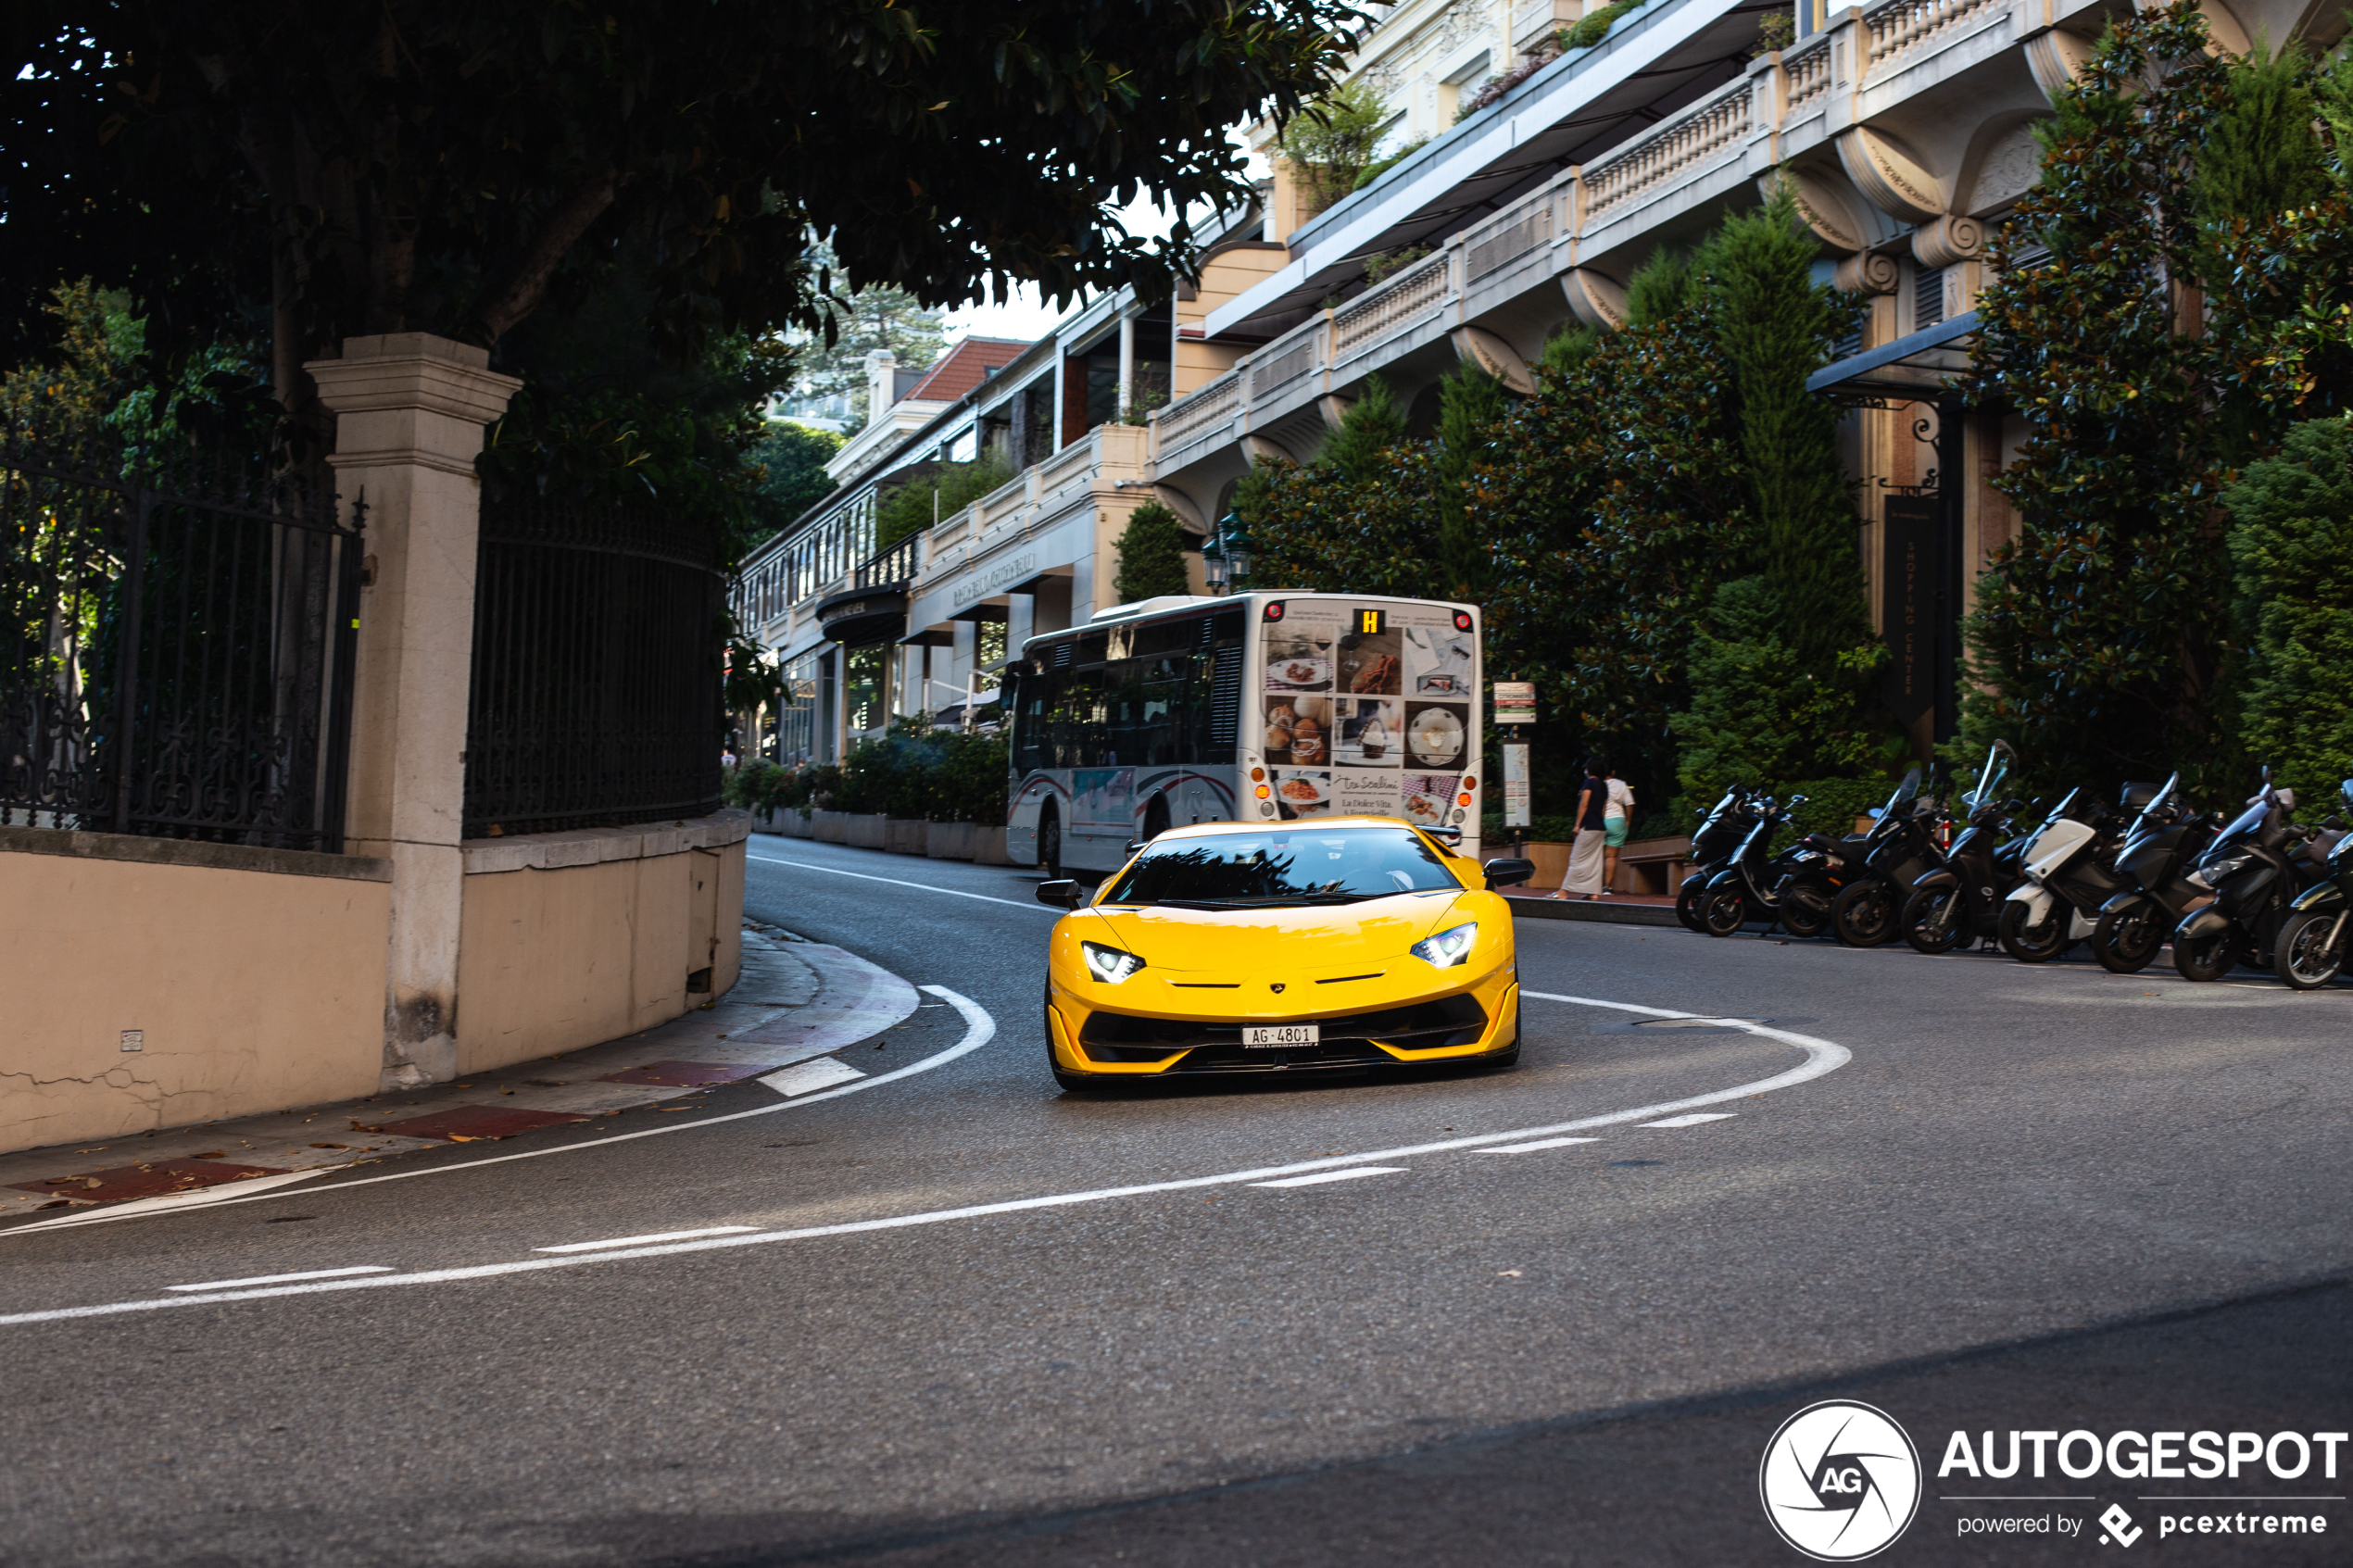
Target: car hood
x=1325 y=939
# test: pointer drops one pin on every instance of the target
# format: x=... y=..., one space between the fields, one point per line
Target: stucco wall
x=256 y=977
x=569 y=939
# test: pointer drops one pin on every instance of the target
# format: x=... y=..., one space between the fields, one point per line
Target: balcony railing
x=888 y=566
x=1902 y=27
x=1395 y=306
x=1715 y=125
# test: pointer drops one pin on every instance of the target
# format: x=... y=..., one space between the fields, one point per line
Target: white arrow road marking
x=635 y=1240
x=1694 y=1119
x=1821 y=1056
x=285 y=1279
x=1320 y=1177
x=811 y=1076
x=1532 y=1148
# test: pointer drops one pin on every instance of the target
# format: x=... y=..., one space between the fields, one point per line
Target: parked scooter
x=2070 y=875
x=1961 y=900
x=2164 y=841
x=1751 y=886
x=2311 y=948
x=1900 y=850
x=1713 y=844
x=2256 y=868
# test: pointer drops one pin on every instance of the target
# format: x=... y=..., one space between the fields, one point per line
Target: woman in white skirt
x=1585 y=857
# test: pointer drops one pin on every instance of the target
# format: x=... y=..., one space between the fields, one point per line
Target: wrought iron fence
x=890 y=566
x=176 y=645
x=597 y=694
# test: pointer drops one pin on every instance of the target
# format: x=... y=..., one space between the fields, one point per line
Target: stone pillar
x=410 y=410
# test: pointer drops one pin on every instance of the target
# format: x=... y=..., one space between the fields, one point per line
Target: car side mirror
x=1062 y=893
x=1507 y=873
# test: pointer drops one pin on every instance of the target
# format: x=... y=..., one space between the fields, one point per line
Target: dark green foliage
x=791 y=460
x=1151 y=555
x=1761 y=710
x=1659 y=288
x=1776 y=328
x=2259 y=155
x=1358 y=449
x=949 y=489
x=2292 y=544
x=1566 y=351
x=915 y=772
x=2101 y=629
x=1471 y=403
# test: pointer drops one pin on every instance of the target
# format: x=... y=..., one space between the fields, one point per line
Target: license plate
x=1283 y=1034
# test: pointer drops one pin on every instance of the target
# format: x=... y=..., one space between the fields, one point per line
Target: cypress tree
x=1775 y=326
x=1372 y=426
x=1659 y=288
x=1151 y=556
x=2260 y=157
x=1469 y=406
x=2292 y=547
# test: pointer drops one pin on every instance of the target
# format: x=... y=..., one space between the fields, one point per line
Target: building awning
x=863 y=615
x=1915 y=366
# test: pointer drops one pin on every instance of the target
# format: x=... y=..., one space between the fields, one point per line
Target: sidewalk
x=796 y=1003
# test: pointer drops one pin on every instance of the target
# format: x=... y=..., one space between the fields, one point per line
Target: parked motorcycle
x=2256 y=868
x=1961 y=900
x=1712 y=843
x=2163 y=844
x=1899 y=851
x=2070 y=876
x=1751 y=885
x=2311 y=948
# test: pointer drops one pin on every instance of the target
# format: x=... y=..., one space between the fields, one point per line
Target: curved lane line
x=1821 y=1056
x=895 y=881
x=979 y=1029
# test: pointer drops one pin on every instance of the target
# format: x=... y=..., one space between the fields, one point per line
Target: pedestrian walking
x=1585 y=856
x=1617 y=821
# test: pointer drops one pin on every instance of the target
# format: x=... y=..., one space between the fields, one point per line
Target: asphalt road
x=2008 y=1199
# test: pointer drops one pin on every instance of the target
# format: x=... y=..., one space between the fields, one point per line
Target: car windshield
x=1232 y=871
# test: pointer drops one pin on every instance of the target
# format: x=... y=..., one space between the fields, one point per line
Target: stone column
x=410 y=410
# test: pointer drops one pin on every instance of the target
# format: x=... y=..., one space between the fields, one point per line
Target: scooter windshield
x=1997 y=769
x=1904 y=795
x=2246 y=825
x=2157 y=802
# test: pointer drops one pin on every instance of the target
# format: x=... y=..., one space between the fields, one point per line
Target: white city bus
x=1261 y=707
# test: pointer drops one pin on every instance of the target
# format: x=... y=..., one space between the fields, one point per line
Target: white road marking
x=1823 y=1056
x=1320 y=1177
x=285 y=1279
x=1532 y=1148
x=895 y=881
x=811 y=1076
x=1694 y=1120
x=979 y=1029
x=637 y=1240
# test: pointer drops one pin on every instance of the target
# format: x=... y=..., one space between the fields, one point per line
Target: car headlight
x=1109 y=964
x=1447 y=949
x=2213 y=875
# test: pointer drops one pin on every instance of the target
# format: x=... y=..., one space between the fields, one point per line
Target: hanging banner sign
x=1907 y=604
x=1515 y=702
x=1516 y=785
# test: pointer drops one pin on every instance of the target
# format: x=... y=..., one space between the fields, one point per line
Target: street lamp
x=1226 y=559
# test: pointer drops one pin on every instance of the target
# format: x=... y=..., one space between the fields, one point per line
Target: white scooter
x=2068 y=877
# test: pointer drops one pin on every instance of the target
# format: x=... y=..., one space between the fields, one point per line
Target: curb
x=795 y=1001
x=1606 y=913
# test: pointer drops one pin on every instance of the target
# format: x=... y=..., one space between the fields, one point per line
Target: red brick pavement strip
x=686 y=1074
x=126 y=1182
x=466 y=1122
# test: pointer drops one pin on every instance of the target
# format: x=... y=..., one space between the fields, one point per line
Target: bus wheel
x=1049 y=843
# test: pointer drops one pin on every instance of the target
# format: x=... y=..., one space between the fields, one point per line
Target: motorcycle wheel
x=1687 y=903
x=2206 y=958
x=1803 y=914
x=1723 y=912
x=2126 y=943
x=1864 y=914
x=1931 y=920
x=2034 y=944
x=2303 y=956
